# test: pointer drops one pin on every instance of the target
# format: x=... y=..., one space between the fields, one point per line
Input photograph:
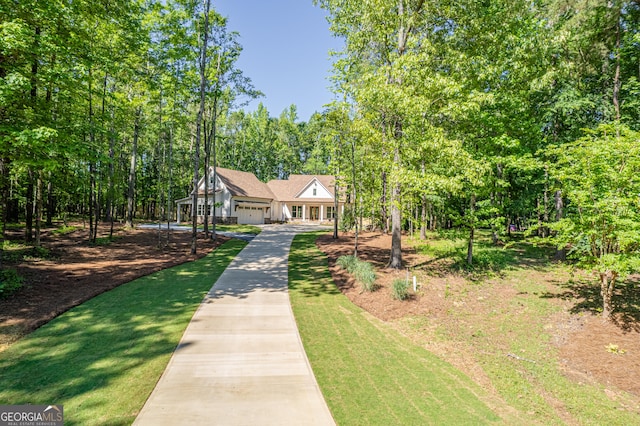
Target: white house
x=241 y=198
x=303 y=198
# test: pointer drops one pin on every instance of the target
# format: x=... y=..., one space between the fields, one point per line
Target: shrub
x=347 y=262
x=362 y=271
x=400 y=289
x=10 y=282
x=366 y=275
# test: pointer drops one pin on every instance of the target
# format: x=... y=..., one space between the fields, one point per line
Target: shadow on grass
x=587 y=298
x=309 y=265
x=488 y=258
x=103 y=358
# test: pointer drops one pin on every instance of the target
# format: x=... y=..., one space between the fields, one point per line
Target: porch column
x=178 y=212
x=321 y=213
x=304 y=212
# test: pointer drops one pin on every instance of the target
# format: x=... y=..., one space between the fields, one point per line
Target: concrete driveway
x=240 y=360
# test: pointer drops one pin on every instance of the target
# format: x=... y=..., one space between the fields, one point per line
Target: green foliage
x=347 y=220
x=10 y=282
x=366 y=275
x=400 y=289
x=347 y=262
x=64 y=230
x=363 y=271
x=16 y=252
x=103 y=241
x=600 y=177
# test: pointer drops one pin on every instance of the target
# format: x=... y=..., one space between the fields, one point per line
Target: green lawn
x=242 y=229
x=368 y=373
x=102 y=359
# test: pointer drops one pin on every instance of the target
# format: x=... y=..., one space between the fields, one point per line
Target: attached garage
x=252 y=212
x=250 y=215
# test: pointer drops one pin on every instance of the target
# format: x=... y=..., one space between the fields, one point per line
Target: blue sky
x=286 y=47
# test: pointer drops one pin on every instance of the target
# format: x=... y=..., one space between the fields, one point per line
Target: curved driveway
x=240 y=360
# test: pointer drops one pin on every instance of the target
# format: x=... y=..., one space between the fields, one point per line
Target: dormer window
x=315 y=192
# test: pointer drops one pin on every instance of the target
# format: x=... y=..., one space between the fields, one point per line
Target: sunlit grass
x=241 y=229
x=368 y=373
x=102 y=359
x=508 y=328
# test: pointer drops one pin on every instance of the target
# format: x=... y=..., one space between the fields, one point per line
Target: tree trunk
x=383 y=204
x=561 y=254
x=92 y=191
x=423 y=220
x=616 y=78
x=335 y=209
x=39 y=189
x=207 y=177
x=395 y=261
x=607 y=285
x=50 y=202
x=199 y=118
x=169 y=192
x=28 y=230
x=4 y=172
x=472 y=229
x=355 y=196
x=215 y=167
x=132 y=170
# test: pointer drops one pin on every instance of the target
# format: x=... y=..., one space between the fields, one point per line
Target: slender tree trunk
x=472 y=229
x=28 y=231
x=199 y=118
x=50 y=202
x=561 y=253
x=3 y=203
x=607 y=285
x=110 y=207
x=616 y=78
x=169 y=192
x=423 y=215
x=214 y=135
x=132 y=170
x=207 y=177
x=395 y=261
x=335 y=207
x=383 y=205
x=39 y=190
x=355 y=195
x=92 y=185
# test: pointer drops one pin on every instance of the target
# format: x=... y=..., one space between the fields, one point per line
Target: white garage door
x=250 y=215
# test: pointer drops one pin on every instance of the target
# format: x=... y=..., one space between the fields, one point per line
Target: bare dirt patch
x=448 y=302
x=75 y=271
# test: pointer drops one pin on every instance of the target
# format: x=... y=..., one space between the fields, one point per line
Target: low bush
x=400 y=289
x=10 y=282
x=347 y=262
x=362 y=271
x=366 y=275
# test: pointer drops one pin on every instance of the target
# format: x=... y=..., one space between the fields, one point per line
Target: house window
x=202 y=210
x=296 y=212
x=315 y=192
x=331 y=212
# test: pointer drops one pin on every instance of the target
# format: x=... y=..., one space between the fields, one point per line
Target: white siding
x=315 y=190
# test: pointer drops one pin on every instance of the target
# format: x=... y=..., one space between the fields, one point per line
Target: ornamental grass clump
x=400 y=289
x=347 y=262
x=362 y=271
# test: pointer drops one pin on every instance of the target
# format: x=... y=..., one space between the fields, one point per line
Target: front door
x=314 y=213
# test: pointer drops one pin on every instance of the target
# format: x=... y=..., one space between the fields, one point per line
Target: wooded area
x=500 y=115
